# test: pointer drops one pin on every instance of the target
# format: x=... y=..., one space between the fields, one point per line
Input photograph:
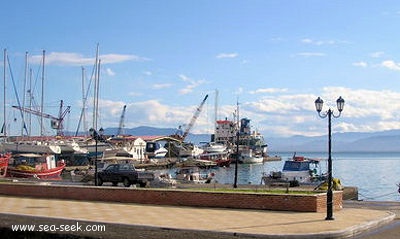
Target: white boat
x=155 y=150
x=31 y=147
x=182 y=149
x=70 y=146
x=190 y=150
x=297 y=170
x=214 y=147
x=250 y=156
x=91 y=146
x=192 y=175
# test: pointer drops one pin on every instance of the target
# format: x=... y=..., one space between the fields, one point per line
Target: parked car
x=125 y=173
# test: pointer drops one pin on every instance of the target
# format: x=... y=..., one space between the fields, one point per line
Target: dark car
x=125 y=173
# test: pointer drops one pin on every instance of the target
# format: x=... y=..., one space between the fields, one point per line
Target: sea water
x=376 y=175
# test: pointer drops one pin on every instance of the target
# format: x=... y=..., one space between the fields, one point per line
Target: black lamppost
x=318 y=106
x=96 y=136
x=237 y=160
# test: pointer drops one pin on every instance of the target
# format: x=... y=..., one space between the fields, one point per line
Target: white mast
x=4 y=129
x=42 y=103
x=95 y=88
x=84 y=100
x=216 y=113
x=24 y=91
x=97 y=93
x=30 y=101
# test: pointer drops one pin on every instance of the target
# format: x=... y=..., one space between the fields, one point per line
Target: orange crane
x=56 y=122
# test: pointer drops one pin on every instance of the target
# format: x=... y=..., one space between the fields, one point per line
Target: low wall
x=176 y=197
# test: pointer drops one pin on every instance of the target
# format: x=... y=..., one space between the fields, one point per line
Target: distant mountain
x=383 y=141
x=142 y=130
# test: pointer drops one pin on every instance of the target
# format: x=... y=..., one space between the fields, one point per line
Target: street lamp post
x=318 y=106
x=96 y=136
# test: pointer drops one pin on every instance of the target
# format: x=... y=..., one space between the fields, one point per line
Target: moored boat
x=4 y=158
x=250 y=156
x=193 y=175
x=214 y=147
x=31 y=147
x=155 y=150
x=297 y=170
x=221 y=159
x=35 y=166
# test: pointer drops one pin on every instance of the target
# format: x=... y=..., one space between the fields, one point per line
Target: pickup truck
x=125 y=173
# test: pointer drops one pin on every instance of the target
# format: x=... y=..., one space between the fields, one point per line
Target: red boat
x=221 y=158
x=35 y=166
x=4 y=158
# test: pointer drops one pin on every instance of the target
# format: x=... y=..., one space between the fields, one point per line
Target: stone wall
x=176 y=197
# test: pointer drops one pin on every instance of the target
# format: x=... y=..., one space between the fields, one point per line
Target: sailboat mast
x=24 y=90
x=95 y=88
x=216 y=113
x=41 y=105
x=97 y=92
x=30 y=101
x=83 y=100
x=4 y=129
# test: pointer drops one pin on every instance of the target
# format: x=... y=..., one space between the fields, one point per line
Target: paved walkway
x=226 y=222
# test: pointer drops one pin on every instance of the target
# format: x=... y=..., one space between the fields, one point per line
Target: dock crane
x=56 y=122
x=194 y=118
x=121 y=121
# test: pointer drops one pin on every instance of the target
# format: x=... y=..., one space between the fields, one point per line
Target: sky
x=161 y=58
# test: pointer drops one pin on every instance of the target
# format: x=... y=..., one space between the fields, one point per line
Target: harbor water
x=375 y=174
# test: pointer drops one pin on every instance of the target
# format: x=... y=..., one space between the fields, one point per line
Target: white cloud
x=311 y=54
x=76 y=59
x=321 y=42
x=377 y=54
x=192 y=84
x=161 y=86
x=362 y=64
x=154 y=113
x=268 y=90
x=391 y=65
x=290 y=114
x=110 y=72
x=281 y=114
x=226 y=55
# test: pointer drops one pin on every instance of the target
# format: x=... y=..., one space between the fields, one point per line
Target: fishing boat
x=35 y=166
x=4 y=158
x=297 y=170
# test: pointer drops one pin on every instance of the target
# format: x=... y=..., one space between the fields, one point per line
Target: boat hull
x=41 y=174
x=4 y=159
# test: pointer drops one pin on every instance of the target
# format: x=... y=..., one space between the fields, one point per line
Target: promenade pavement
x=150 y=221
